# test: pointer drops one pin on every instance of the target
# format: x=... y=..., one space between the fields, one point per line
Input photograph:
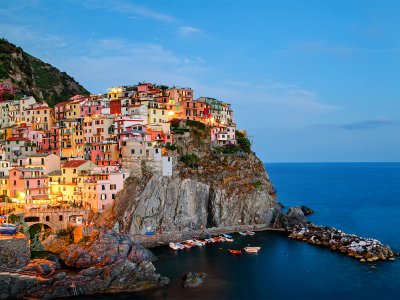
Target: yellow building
x=115 y=93
x=71 y=138
x=42 y=118
x=73 y=109
x=157 y=113
x=69 y=182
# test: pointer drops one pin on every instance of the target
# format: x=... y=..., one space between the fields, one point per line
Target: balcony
x=32 y=176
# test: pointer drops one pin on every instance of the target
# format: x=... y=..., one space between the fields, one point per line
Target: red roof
x=74 y=163
x=18 y=139
x=61 y=103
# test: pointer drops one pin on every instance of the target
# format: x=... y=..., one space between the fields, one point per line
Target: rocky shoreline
x=363 y=249
x=108 y=262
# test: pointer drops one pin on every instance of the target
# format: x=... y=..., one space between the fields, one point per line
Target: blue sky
x=310 y=80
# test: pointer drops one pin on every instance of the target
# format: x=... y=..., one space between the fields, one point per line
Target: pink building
x=222 y=135
x=89 y=108
x=101 y=186
x=28 y=184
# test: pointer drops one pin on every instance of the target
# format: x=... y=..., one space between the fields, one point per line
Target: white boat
x=198 y=243
x=242 y=233
x=228 y=240
x=250 y=233
x=173 y=246
x=252 y=249
x=227 y=236
x=180 y=246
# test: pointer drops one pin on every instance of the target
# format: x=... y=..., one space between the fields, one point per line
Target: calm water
x=358 y=198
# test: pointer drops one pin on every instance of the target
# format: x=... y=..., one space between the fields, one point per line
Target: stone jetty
x=364 y=249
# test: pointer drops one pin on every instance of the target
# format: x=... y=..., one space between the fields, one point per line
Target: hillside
x=31 y=76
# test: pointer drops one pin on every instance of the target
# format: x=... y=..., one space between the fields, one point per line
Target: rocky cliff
x=33 y=77
x=209 y=190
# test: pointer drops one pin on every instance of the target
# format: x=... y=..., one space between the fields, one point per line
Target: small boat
x=227 y=236
x=173 y=246
x=252 y=249
x=180 y=246
x=231 y=251
x=250 y=233
x=221 y=238
x=242 y=233
x=7 y=228
x=228 y=240
x=209 y=240
x=191 y=243
x=198 y=243
x=213 y=240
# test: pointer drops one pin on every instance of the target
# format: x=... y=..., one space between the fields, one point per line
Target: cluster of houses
x=82 y=150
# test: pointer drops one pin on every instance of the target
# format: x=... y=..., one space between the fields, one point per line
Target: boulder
x=193 y=279
x=294 y=216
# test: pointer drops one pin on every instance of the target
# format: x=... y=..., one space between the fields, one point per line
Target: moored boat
x=198 y=243
x=233 y=251
x=180 y=246
x=173 y=246
x=228 y=240
x=250 y=233
x=252 y=249
x=227 y=236
x=242 y=233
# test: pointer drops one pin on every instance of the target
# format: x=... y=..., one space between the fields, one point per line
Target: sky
x=310 y=81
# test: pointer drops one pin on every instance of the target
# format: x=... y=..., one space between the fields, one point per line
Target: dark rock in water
x=294 y=216
x=192 y=279
x=306 y=210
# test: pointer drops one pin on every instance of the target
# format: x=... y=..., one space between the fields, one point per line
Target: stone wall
x=14 y=252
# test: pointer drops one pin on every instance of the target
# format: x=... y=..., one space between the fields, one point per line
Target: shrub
x=258 y=184
x=196 y=124
x=243 y=142
x=170 y=147
x=191 y=160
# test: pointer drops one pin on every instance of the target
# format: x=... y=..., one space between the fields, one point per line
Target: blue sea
x=359 y=198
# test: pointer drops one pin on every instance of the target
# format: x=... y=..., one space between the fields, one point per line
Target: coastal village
x=79 y=152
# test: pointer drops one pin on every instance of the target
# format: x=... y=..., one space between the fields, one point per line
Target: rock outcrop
x=109 y=263
x=192 y=201
x=219 y=190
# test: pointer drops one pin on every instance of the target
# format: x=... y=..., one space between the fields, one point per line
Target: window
x=103 y=197
x=103 y=187
x=133 y=151
x=60 y=218
x=47 y=218
x=42 y=161
x=74 y=171
x=113 y=196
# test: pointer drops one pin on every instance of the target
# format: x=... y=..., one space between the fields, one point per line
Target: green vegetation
x=170 y=147
x=258 y=184
x=243 y=142
x=84 y=239
x=228 y=149
x=191 y=160
x=38 y=79
x=196 y=124
x=65 y=232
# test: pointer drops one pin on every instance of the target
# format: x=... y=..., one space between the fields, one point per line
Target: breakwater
x=364 y=249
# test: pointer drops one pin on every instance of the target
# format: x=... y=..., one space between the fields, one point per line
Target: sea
x=358 y=198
